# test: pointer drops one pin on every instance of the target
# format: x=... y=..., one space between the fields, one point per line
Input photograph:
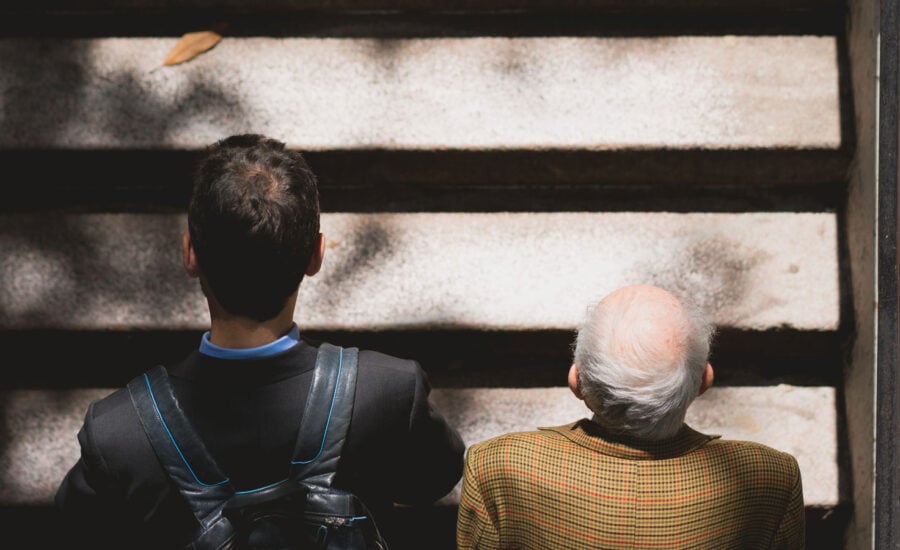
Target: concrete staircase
x=488 y=169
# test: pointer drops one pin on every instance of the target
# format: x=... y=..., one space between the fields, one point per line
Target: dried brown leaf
x=193 y=44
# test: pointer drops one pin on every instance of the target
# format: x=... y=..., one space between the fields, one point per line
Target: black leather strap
x=326 y=418
x=179 y=448
x=320 y=439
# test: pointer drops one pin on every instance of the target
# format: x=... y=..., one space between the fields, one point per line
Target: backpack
x=301 y=511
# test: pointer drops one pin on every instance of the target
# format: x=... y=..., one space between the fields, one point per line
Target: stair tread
x=408 y=271
x=482 y=93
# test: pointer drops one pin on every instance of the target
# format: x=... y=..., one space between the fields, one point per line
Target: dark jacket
x=398 y=450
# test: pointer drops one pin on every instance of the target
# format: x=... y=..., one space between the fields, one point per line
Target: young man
x=634 y=476
x=253 y=235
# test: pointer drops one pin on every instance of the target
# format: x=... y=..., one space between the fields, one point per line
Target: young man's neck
x=236 y=332
x=243 y=333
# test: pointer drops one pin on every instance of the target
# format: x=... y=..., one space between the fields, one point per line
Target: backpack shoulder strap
x=183 y=454
x=326 y=418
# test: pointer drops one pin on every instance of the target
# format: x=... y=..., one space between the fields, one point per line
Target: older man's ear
x=708 y=377
x=575 y=382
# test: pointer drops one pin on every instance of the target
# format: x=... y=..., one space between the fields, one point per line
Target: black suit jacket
x=399 y=448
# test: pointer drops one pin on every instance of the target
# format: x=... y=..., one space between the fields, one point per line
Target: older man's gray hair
x=641 y=354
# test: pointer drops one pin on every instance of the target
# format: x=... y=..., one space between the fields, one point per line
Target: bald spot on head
x=651 y=324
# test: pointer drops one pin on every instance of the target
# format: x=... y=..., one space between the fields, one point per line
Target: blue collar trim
x=287 y=341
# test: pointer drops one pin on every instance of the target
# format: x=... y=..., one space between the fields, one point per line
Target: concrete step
x=521 y=123
x=38 y=435
x=447 y=271
x=40 y=427
x=573 y=93
x=678 y=122
x=486 y=299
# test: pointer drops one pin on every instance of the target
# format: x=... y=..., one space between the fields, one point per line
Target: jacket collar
x=247 y=372
x=588 y=434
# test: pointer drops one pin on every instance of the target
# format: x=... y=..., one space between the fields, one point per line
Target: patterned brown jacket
x=572 y=487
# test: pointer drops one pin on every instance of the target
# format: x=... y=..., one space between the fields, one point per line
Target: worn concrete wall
x=860 y=213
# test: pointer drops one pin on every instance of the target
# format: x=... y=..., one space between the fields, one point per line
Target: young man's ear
x=318 y=254
x=708 y=377
x=575 y=382
x=188 y=258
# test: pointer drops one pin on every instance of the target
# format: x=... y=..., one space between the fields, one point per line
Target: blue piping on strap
x=258 y=489
x=172 y=438
x=330 y=410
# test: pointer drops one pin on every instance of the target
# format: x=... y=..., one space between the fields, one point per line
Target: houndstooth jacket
x=572 y=487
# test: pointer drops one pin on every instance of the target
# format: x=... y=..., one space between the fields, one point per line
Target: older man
x=635 y=475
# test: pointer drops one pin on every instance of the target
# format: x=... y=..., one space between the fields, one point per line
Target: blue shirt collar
x=272 y=348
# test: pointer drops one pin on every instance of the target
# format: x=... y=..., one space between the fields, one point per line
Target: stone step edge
x=40 y=428
x=437 y=271
x=453 y=6
x=699 y=92
x=368 y=180
x=453 y=359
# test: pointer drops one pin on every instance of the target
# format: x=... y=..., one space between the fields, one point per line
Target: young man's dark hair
x=253 y=235
x=254 y=223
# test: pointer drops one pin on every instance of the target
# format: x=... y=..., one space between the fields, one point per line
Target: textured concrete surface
x=40 y=428
x=39 y=442
x=753 y=271
x=716 y=92
x=860 y=378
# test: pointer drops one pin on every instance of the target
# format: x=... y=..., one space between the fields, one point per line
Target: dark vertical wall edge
x=887 y=444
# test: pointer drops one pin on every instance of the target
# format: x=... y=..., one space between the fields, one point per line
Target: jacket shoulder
x=752 y=451
x=510 y=443
x=112 y=427
x=389 y=365
x=748 y=460
x=390 y=379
